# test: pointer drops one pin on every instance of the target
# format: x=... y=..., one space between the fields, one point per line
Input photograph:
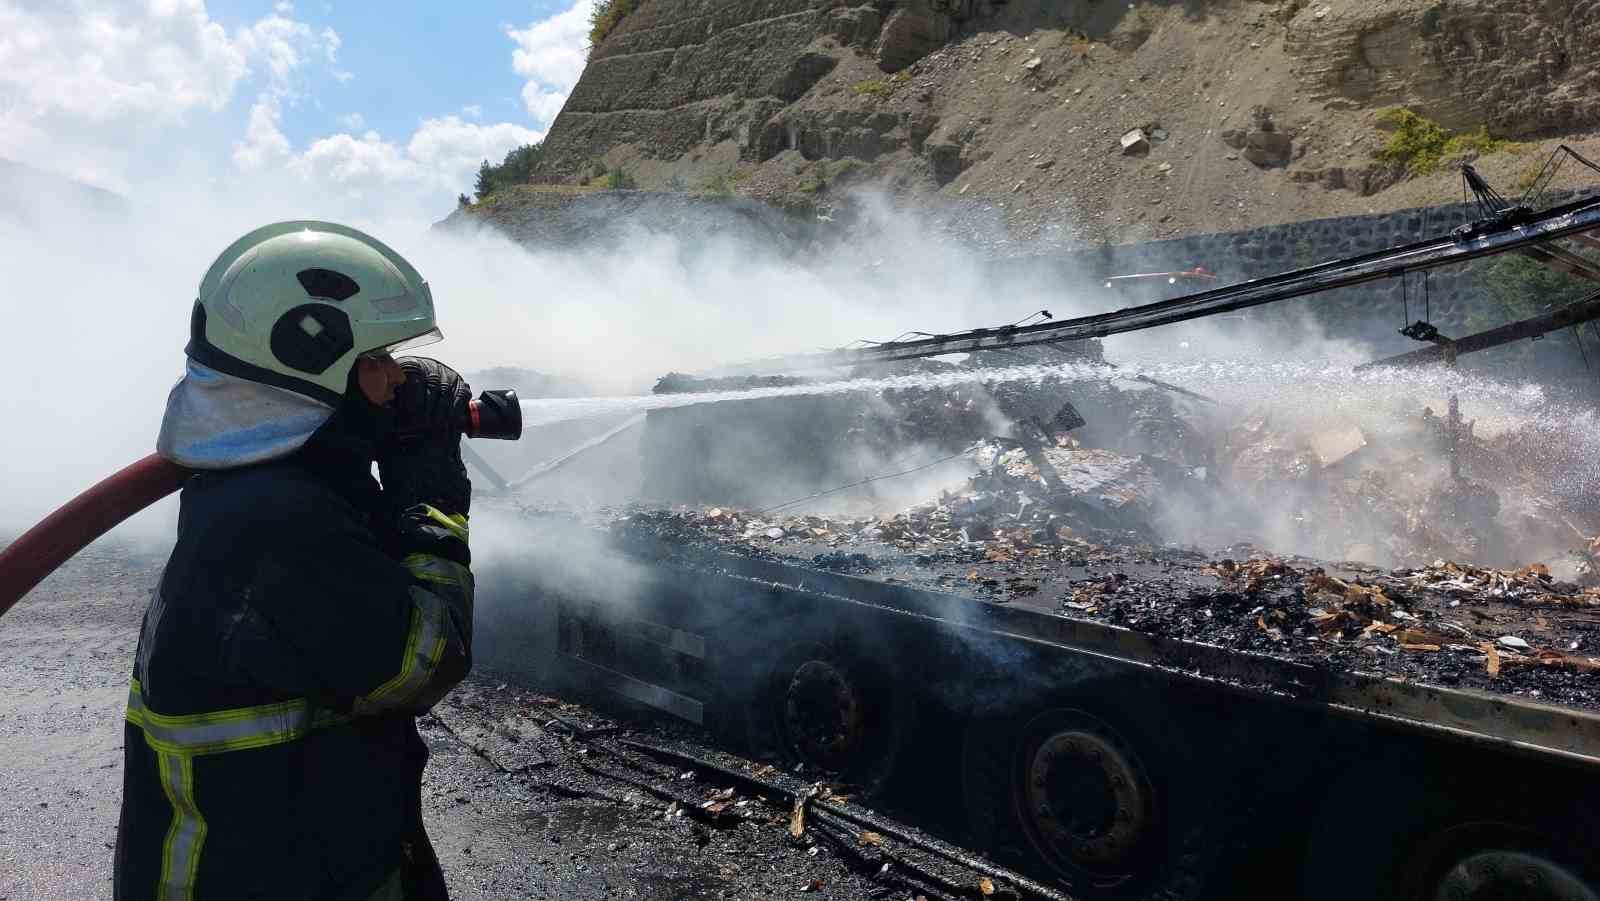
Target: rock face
x=567 y=218
x=677 y=74
x=857 y=25
x=724 y=76
x=913 y=31
x=1517 y=66
x=1268 y=148
x=1013 y=109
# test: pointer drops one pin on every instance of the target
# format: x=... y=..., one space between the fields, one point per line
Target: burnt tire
x=1133 y=804
x=1424 y=827
x=833 y=709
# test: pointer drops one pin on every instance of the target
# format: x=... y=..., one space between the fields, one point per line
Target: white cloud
x=440 y=158
x=88 y=85
x=281 y=44
x=330 y=48
x=115 y=91
x=451 y=146
x=331 y=44
x=264 y=143
x=355 y=164
x=437 y=161
x=158 y=61
x=551 y=54
x=543 y=105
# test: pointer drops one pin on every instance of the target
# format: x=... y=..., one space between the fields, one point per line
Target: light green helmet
x=293 y=304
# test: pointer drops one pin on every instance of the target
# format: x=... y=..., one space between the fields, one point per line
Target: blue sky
x=311 y=99
x=408 y=61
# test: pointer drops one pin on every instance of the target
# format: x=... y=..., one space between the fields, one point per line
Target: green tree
x=516 y=169
x=485 y=184
x=606 y=15
x=1515 y=287
x=520 y=163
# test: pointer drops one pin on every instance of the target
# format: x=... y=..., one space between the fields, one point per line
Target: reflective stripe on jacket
x=271 y=749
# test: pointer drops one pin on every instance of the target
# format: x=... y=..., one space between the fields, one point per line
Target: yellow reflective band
x=178 y=740
x=457 y=524
x=429 y=568
x=225 y=730
x=424 y=646
x=180 y=853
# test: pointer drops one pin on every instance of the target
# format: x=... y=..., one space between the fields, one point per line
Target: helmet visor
x=431 y=336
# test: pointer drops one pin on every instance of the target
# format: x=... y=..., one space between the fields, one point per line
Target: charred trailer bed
x=1116 y=763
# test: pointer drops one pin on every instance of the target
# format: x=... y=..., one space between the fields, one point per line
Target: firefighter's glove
x=434 y=549
x=431 y=532
x=420 y=463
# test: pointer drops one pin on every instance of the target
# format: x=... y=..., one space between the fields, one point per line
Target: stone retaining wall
x=1256 y=253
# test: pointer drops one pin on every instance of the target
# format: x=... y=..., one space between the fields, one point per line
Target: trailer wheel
x=1111 y=804
x=1497 y=872
x=1486 y=860
x=1453 y=834
x=827 y=705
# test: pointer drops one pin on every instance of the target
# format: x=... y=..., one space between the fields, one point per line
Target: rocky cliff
x=1521 y=67
x=1081 y=121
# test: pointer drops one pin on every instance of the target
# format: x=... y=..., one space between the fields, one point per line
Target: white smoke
x=96 y=304
x=97 y=307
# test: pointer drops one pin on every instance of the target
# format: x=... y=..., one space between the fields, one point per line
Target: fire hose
x=25 y=562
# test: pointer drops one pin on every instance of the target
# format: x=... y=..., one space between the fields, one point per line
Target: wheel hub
x=1498 y=875
x=823 y=714
x=1087 y=801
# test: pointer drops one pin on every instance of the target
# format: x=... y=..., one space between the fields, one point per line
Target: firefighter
x=306 y=616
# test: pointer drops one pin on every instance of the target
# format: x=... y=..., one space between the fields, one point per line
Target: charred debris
x=1071 y=509
x=1427 y=549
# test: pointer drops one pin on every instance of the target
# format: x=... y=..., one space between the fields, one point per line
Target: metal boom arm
x=1486 y=237
x=1572 y=314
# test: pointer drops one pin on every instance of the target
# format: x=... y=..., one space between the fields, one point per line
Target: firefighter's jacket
x=271 y=749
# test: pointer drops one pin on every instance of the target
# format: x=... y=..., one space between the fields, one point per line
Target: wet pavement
x=525 y=796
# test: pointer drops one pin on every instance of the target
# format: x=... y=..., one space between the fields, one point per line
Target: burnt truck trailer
x=1122 y=723
x=1131 y=759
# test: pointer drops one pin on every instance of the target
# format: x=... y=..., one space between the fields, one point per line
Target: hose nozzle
x=495 y=414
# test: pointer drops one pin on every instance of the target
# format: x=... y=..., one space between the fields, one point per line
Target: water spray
x=25 y=562
x=1236 y=381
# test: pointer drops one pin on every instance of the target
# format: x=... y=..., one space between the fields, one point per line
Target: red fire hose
x=26 y=561
x=23 y=563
